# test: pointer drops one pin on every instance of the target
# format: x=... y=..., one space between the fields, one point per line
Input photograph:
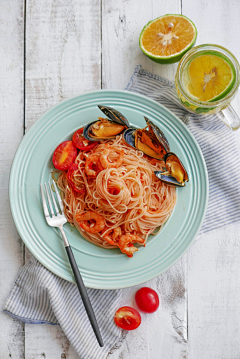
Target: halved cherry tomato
x=147 y=300
x=70 y=176
x=64 y=155
x=127 y=318
x=81 y=142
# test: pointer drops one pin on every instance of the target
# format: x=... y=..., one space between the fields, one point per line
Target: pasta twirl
x=129 y=197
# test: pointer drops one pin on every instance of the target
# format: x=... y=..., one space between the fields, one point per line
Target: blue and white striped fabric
x=39 y=296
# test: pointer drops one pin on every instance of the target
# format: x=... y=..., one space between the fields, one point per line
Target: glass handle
x=229 y=117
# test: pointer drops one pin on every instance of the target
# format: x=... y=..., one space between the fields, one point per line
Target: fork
x=58 y=219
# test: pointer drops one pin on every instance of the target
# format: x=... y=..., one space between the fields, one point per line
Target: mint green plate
x=104 y=268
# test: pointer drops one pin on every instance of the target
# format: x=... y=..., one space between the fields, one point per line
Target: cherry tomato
x=147 y=300
x=81 y=142
x=70 y=176
x=127 y=318
x=64 y=155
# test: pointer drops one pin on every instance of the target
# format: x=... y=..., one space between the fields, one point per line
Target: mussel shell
x=159 y=134
x=129 y=137
x=169 y=180
x=114 y=115
x=86 y=130
x=176 y=158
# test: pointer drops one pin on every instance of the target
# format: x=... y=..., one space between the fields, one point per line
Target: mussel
x=150 y=140
x=175 y=174
x=105 y=129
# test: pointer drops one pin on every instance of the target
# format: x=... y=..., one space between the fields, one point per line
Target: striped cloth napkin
x=38 y=296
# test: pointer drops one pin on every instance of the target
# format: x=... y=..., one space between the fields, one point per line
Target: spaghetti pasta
x=120 y=187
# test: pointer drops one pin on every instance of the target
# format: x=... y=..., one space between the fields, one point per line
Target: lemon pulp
x=167 y=38
x=209 y=77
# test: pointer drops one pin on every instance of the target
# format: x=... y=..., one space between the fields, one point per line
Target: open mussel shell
x=114 y=115
x=175 y=174
x=86 y=132
x=116 y=129
x=169 y=180
x=106 y=129
x=151 y=141
x=175 y=167
x=159 y=134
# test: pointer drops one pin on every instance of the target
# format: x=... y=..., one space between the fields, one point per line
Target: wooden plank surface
x=73 y=47
x=11 y=132
x=63 y=52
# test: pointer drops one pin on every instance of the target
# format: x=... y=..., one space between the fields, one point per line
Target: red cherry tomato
x=81 y=142
x=64 y=155
x=127 y=318
x=147 y=300
x=70 y=176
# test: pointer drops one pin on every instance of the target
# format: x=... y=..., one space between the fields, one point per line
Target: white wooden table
x=54 y=49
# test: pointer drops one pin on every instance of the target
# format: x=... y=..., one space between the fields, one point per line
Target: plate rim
x=28 y=134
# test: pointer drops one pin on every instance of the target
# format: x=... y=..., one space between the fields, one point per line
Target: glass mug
x=221 y=107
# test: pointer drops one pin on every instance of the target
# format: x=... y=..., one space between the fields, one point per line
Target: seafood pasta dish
x=115 y=193
x=120 y=200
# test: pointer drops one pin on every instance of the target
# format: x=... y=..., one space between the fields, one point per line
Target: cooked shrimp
x=116 y=233
x=126 y=246
x=112 y=239
x=90 y=221
x=107 y=238
x=92 y=162
x=105 y=161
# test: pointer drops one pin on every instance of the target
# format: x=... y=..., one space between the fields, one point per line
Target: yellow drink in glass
x=207 y=80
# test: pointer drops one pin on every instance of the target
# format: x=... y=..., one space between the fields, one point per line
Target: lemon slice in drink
x=209 y=77
x=166 y=39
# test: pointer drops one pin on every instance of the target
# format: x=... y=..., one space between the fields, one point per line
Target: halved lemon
x=166 y=39
x=209 y=76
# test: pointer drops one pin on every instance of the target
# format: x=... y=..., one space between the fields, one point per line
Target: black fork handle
x=84 y=295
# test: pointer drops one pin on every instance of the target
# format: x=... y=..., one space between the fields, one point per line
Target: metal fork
x=58 y=219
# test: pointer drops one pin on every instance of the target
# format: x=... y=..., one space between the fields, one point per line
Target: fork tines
x=51 y=200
